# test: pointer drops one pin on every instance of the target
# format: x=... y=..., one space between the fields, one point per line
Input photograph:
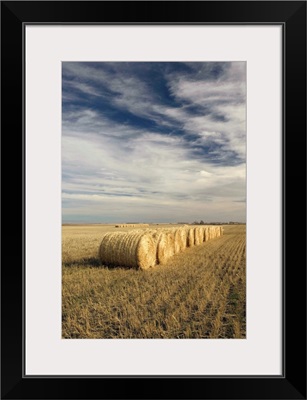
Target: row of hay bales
x=146 y=248
x=131 y=226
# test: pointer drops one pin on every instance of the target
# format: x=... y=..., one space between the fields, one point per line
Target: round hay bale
x=134 y=249
x=197 y=236
x=170 y=240
x=164 y=246
x=190 y=236
x=176 y=242
x=206 y=234
x=180 y=239
x=202 y=234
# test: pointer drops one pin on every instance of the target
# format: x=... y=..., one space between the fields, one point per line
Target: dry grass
x=198 y=293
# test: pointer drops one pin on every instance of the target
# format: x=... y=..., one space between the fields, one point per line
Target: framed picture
x=160 y=136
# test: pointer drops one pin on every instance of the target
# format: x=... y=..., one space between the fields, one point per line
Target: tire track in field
x=214 y=273
x=216 y=307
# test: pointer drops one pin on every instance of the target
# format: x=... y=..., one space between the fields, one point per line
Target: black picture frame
x=292 y=16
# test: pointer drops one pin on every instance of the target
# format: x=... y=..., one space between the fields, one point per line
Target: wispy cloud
x=153 y=141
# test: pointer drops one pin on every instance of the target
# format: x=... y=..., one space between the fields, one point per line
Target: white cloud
x=114 y=170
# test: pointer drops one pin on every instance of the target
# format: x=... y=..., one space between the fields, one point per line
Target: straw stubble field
x=197 y=293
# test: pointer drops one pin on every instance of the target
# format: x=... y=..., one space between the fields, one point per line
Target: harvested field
x=197 y=293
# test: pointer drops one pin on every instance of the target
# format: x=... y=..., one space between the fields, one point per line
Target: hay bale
x=170 y=233
x=132 y=225
x=134 y=249
x=190 y=236
x=217 y=231
x=202 y=234
x=164 y=246
x=197 y=236
x=180 y=239
x=206 y=234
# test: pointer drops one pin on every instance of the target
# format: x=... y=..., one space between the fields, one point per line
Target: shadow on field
x=83 y=262
x=90 y=262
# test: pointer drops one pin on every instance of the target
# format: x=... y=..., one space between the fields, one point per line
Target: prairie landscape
x=158 y=148
x=198 y=293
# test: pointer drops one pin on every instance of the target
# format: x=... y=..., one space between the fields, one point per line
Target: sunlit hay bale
x=202 y=234
x=173 y=232
x=191 y=240
x=187 y=230
x=180 y=239
x=177 y=239
x=214 y=232
x=161 y=243
x=165 y=242
x=206 y=234
x=164 y=246
x=170 y=233
x=133 y=249
x=221 y=231
x=197 y=236
x=133 y=225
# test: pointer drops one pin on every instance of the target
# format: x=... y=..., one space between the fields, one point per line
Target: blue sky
x=153 y=142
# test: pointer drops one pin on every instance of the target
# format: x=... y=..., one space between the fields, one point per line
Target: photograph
x=160 y=146
x=153 y=200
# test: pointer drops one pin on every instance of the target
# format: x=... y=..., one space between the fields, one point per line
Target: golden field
x=199 y=293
